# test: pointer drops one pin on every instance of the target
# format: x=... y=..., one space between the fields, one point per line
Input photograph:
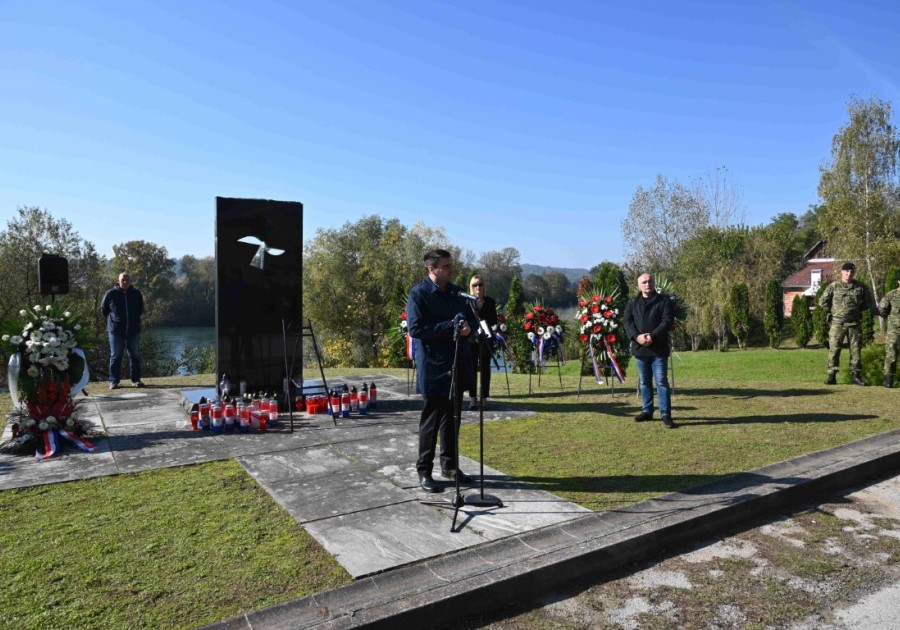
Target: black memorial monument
x=259 y=287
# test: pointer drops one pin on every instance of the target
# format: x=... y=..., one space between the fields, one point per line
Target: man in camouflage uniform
x=845 y=302
x=890 y=310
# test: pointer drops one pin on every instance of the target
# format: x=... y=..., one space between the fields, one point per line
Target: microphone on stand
x=468 y=296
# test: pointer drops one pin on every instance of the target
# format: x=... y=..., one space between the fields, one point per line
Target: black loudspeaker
x=53 y=274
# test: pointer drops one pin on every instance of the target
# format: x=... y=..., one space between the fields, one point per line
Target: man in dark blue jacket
x=648 y=319
x=436 y=316
x=122 y=307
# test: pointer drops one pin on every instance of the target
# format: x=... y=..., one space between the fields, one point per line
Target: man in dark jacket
x=648 y=319
x=436 y=316
x=122 y=307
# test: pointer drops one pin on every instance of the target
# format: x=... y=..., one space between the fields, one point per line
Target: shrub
x=820 y=318
x=872 y=359
x=773 y=316
x=801 y=322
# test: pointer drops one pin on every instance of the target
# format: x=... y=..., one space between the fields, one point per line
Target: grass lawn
x=737 y=410
x=187 y=546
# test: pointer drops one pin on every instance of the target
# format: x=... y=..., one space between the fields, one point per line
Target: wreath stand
x=505 y=370
x=410 y=375
x=540 y=370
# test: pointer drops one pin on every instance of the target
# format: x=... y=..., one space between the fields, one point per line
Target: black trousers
x=438 y=418
x=481 y=361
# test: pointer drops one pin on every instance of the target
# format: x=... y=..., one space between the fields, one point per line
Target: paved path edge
x=521 y=568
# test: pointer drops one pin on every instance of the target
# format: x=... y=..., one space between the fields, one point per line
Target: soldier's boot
x=856 y=380
x=889 y=381
x=832 y=378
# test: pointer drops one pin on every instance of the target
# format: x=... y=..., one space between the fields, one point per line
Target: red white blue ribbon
x=78 y=441
x=594 y=363
x=548 y=345
x=52 y=443
x=613 y=362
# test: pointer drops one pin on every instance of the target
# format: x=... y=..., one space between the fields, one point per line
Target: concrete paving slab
x=295 y=464
x=22 y=471
x=164 y=449
x=389 y=536
x=335 y=494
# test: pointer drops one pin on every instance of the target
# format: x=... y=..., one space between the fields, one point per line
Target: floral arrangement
x=46 y=369
x=545 y=331
x=597 y=319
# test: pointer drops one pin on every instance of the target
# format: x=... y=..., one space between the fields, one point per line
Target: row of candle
x=343 y=402
x=217 y=417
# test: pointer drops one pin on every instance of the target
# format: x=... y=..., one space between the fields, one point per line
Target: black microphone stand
x=484 y=351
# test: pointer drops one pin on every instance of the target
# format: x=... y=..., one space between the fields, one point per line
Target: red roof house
x=817 y=269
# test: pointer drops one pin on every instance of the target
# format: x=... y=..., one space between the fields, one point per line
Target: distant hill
x=573 y=274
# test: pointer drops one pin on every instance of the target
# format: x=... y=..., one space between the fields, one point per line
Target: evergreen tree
x=820 y=317
x=515 y=316
x=890 y=281
x=801 y=322
x=773 y=316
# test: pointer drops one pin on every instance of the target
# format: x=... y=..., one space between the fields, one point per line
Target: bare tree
x=659 y=221
x=499 y=268
x=724 y=199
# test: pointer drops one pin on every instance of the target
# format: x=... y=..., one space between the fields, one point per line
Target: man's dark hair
x=434 y=256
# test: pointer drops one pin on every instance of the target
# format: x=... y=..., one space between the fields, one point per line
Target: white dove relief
x=259 y=258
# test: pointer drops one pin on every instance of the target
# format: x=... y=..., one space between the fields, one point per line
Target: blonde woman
x=487 y=310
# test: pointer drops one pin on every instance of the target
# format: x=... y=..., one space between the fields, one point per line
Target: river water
x=185 y=337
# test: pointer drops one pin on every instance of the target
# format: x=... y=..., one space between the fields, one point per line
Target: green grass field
x=187 y=546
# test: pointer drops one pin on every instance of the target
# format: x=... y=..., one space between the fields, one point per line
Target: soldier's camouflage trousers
x=836 y=337
x=891 y=342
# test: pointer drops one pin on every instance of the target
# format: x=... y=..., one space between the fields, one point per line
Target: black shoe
x=643 y=417
x=857 y=381
x=667 y=422
x=464 y=479
x=832 y=379
x=428 y=484
x=113 y=385
x=138 y=384
x=473 y=405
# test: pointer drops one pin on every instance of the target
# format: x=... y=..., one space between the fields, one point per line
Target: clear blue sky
x=525 y=124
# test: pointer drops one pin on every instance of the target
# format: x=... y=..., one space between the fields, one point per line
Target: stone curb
x=519 y=569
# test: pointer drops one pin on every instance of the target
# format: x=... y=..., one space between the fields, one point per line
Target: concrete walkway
x=353 y=487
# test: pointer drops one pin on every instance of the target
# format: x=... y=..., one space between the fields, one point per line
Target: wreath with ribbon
x=545 y=332
x=598 y=326
x=46 y=369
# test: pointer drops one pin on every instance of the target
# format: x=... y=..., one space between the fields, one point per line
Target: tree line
x=693 y=236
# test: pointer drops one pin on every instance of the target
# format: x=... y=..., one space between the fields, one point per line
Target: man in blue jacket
x=436 y=316
x=648 y=319
x=122 y=307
